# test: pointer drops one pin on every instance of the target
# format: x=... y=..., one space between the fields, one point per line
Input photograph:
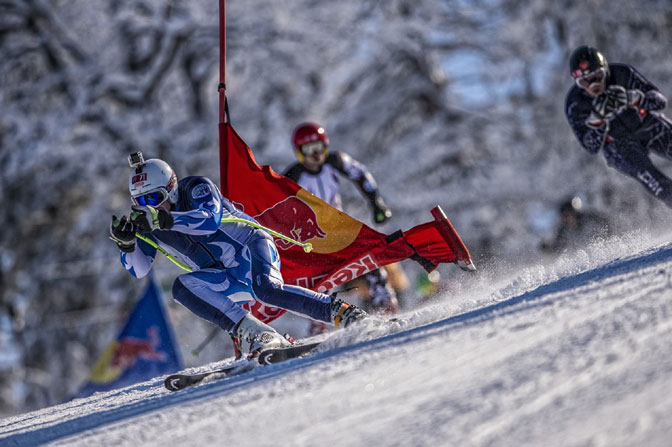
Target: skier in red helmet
x=318 y=171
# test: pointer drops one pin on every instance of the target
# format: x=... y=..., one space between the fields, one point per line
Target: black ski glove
x=614 y=99
x=122 y=232
x=148 y=218
x=635 y=98
x=380 y=211
x=605 y=106
x=619 y=98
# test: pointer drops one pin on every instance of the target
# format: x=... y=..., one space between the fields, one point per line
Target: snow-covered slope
x=577 y=353
x=450 y=103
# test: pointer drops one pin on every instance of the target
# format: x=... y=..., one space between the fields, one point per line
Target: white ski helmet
x=151 y=182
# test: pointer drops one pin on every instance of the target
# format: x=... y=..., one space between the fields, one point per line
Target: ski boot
x=343 y=314
x=260 y=336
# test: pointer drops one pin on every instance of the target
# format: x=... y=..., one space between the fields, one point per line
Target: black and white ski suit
x=631 y=134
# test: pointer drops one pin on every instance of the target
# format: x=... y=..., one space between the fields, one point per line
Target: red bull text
x=343 y=275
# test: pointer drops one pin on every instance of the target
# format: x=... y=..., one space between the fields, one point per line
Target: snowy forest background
x=455 y=103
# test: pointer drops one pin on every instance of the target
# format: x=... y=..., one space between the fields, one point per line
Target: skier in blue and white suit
x=232 y=262
x=612 y=106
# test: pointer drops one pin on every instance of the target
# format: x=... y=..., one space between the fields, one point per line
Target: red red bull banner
x=343 y=247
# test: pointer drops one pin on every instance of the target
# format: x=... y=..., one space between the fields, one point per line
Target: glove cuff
x=165 y=220
x=127 y=248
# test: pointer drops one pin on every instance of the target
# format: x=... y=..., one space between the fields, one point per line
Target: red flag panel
x=343 y=247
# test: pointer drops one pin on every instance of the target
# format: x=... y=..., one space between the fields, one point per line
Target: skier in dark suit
x=614 y=108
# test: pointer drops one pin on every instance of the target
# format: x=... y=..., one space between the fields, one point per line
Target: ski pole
x=606 y=135
x=307 y=246
x=168 y=255
x=205 y=342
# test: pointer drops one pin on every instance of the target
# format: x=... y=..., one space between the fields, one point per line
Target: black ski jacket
x=632 y=133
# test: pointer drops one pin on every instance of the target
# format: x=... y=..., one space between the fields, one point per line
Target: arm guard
x=139 y=262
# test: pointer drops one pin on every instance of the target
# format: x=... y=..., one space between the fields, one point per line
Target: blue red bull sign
x=144 y=349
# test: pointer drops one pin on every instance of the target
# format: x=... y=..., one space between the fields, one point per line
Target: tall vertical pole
x=223 y=118
x=223 y=109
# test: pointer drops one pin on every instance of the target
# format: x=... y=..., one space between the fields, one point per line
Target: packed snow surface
x=577 y=353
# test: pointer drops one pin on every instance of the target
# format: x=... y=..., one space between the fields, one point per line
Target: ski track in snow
x=582 y=359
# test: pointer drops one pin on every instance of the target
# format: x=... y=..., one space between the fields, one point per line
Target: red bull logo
x=292 y=217
x=130 y=349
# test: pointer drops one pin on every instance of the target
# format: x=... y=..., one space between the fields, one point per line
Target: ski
x=270 y=356
x=176 y=382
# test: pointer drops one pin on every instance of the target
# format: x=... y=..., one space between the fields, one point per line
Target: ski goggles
x=154 y=198
x=594 y=77
x=313 y=148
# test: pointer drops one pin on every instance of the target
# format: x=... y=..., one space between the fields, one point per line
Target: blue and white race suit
x=232 y=262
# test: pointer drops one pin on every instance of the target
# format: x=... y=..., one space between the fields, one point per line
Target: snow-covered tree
x=455 y=103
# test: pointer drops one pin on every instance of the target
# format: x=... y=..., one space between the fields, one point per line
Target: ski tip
x=278 y=355
x=466 y=265
x=174 y=383
x=265 y=358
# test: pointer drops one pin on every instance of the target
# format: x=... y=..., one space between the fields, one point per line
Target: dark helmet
x=585 y=60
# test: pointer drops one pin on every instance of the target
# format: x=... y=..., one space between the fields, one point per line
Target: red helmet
x=309 y=133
